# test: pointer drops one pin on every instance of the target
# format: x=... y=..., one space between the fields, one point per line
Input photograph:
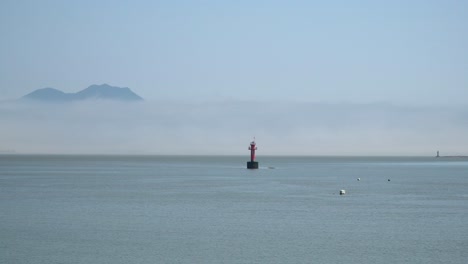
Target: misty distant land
x=453 y=157
x=100 y=92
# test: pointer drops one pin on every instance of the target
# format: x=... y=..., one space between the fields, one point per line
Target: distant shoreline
x=14 y=153
x=452 y=157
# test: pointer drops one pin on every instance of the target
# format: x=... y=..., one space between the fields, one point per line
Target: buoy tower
x=252 y=164
x=437 y=155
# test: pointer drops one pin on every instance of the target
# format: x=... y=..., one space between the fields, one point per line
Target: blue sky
x=412 y=52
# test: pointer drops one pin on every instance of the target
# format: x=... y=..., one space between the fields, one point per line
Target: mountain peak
x=47 y=94
x=102 y=92
x=105 y=91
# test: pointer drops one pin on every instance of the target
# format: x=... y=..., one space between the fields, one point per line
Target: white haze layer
x=226 y=128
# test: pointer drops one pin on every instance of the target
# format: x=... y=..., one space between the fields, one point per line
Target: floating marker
x=252 y=164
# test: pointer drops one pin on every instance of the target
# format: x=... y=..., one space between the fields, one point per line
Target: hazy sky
x=321 y=51
x=304 y=77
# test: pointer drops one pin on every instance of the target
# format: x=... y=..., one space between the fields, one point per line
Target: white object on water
x=342 y=192
x=358 y=179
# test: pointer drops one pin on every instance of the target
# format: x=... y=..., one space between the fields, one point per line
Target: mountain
x=102 y=92
x=49 y=94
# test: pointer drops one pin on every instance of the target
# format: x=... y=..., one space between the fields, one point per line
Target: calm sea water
x=158 y=209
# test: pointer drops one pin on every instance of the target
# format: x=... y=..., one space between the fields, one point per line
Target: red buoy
x=252 y=164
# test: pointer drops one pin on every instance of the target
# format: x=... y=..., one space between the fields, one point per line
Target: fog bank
x=226 y=128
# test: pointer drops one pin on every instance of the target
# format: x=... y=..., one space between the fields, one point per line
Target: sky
x=303 y=77
x=409 y=52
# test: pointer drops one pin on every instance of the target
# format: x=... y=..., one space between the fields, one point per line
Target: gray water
x=157 y=209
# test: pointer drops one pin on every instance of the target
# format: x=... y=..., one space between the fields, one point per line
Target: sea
x=211 y=209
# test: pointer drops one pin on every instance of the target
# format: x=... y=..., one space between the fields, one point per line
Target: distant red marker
x=252 y=164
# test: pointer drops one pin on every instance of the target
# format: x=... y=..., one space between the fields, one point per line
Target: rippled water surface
x=160 y=209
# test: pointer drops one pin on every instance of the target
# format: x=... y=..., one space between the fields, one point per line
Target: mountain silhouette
x=101 y=92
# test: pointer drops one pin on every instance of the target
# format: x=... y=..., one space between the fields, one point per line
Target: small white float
x=342 y=192
x=358 y=179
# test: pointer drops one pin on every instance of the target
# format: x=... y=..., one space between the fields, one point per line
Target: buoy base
x=252 y=164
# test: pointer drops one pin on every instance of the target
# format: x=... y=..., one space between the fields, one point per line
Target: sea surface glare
x=181 y=209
